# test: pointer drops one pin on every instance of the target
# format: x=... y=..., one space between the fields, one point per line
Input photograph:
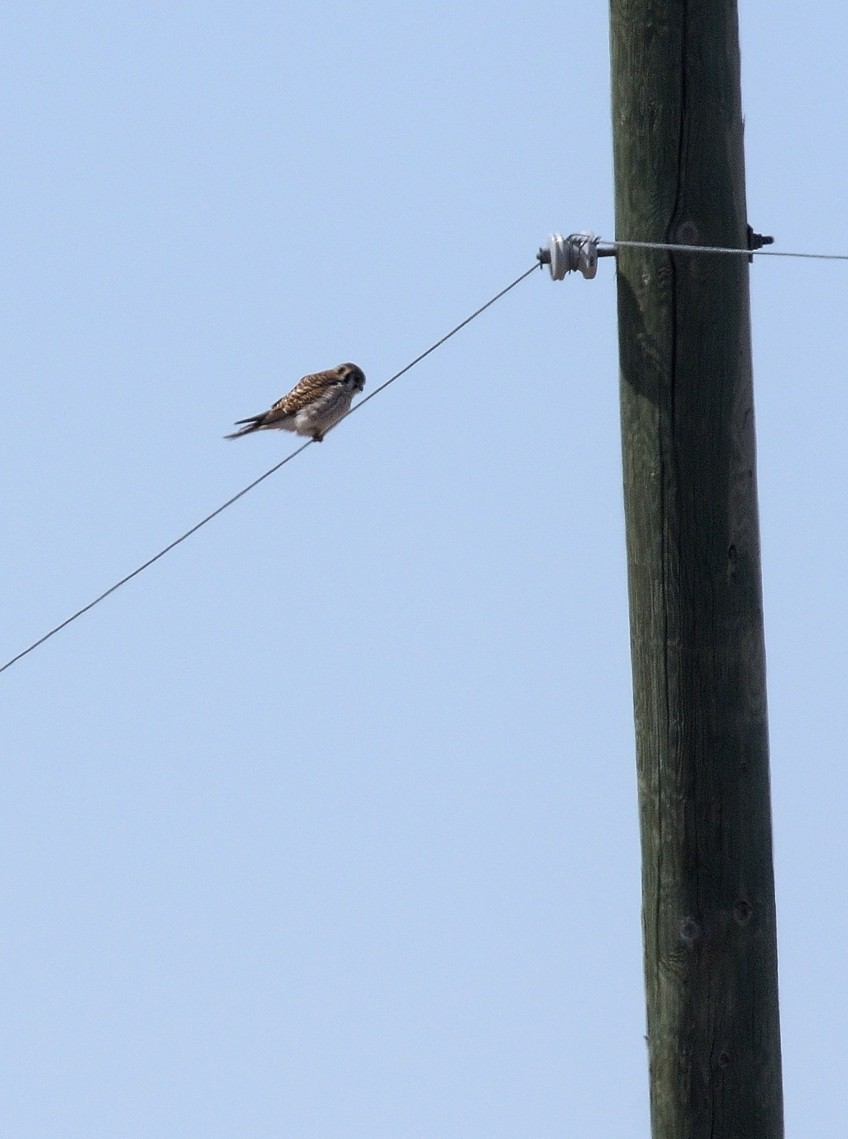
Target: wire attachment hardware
x=576 y=253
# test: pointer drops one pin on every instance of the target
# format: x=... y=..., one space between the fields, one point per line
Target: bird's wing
x=304 y=392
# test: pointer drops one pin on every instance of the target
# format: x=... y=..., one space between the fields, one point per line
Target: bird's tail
x=251 y=424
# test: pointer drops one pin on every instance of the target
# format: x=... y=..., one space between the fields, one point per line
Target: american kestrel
x=313 y=405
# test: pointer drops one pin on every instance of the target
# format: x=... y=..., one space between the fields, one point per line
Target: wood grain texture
x=694 y=574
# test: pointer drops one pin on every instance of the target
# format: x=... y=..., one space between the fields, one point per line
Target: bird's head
x=352 y=376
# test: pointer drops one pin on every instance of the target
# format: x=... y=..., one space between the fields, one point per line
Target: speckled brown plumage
x=314 y=405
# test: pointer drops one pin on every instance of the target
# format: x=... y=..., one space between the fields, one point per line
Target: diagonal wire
x=447 y=336
x=166 y=550
x=273 y=470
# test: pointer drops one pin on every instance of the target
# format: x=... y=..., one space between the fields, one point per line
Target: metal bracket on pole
x=576 y=253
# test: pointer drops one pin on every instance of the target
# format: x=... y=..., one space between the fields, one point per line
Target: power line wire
x=674 y=248
x=606 y=246
x=439 y=343
x=224 y=506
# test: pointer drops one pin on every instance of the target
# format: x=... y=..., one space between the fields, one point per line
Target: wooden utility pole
x=694 y=574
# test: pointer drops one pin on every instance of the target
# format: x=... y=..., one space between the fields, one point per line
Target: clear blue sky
x=325 y=826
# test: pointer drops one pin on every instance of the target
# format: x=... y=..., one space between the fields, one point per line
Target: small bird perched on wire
x=312 y=407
